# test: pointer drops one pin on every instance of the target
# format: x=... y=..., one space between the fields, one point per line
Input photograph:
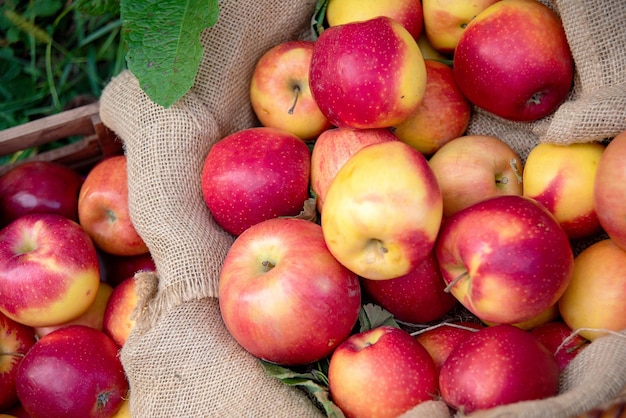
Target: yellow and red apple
x=118 y=319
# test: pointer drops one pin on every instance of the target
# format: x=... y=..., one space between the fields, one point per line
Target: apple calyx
x=375 y=250
x=535 y=99
x=296 y=91
x=454 y=281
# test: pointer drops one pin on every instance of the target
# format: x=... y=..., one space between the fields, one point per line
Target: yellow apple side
x=548 y=315
x=411 y=76
x=124 y=411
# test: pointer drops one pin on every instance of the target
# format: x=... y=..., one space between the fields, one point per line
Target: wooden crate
x=96 y=140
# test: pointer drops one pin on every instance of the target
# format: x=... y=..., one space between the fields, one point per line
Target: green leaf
x=373 y=316
x=164 y=43
x=98 y=7
x=319 y=17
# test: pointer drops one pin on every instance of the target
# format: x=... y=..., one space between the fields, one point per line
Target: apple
x=73 y=371
x=553 y=336
x=472 y=168
x=282 y=294
x=332 y=149
x=15 y=341
x=417 y=297
x=382 y=372
x=49 y=272
x=497 y=365
x=39 y=187
x=120 y=267
x=406 y=12
x=593 y=303
x=548 y=315
x=443 y=114
x=445 y=21
x=382 y=211
x=441 y=339
x=506 y=259
x=428 y=52
x=513 y=60
x=92 y=317
x=255 y=174
x=610 y=188
x=103 y=208
x=124 y=411
x=562 y=177
x=279 y=90
x=118 y=318
x=368 y=74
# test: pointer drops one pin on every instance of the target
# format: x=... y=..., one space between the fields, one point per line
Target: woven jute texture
x=180 y=359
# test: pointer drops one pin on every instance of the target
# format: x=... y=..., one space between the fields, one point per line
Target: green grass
x=54 y=56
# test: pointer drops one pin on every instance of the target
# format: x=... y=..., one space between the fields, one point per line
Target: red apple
x=382 y=372
x=118 y=319
x=120 y=267
x=514 y=61
x=472 y=168
x=255 y=174
x=367 y=74
x=610 y=189
x=553 y=335
x=73 y=371
x=283 y=296
x=15 y=341
x=441 y=339
x=279 y=90
x=497 y=365
x=49 y=271
x=443 y=114
x=505 y=258
x=333 y=148
x=39 y=187
x=103 y=208
x=92 y=317
x=416 y=297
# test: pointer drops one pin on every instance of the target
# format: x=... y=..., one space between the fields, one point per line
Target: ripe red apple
x=382 y=372
x=332 y=149
x=505 y=258
x=495 y=366
x=472 y=168
x=120 y=267
x=49 y=271
x=279 y=90
x=553 y=334
x=514 y=61
x=443 y=114
x=256 y=174
x=103 y=208
x=73 y=371
x=118 y=319
x=39 y=187
x=440 y=340
x=610 y=189
x=383 y=211
x=92 y=317
x=406 y=12
x=283 y=296
x=367 y=74
x=15 y=341
x=417 y=297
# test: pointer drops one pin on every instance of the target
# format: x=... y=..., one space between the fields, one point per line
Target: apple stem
x=296 y=91
x=268 y=265
x=513 y=163
x=455 y=281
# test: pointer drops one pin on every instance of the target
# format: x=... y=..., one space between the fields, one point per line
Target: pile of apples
x=362 y=185
x=68 y=255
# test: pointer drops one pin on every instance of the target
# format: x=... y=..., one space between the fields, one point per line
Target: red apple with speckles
x=495 y=366
x=49 y=271
x=382 y=372
x=15 y=341
x=417 y=297
x=444 y=337
x=552 y=335
x=514 y=61
x=103 y=208
x=39 y=187
x=73 y=371
x=283 y=296
x=506 y=259
x=118 y=320
x=256 y=174
x=332 y=149
x=367 y=74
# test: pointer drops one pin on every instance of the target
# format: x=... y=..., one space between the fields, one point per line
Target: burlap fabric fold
x=179 y=358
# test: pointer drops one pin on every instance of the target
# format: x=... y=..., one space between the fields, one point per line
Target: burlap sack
x=180 y=359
